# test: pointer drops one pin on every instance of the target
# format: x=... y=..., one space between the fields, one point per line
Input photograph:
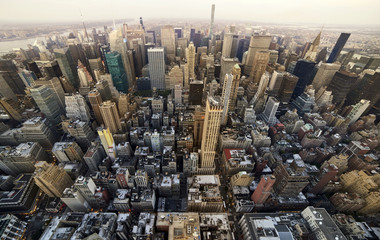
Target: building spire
x=84 y=26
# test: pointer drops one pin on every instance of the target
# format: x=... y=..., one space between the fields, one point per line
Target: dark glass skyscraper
x=338 y=47
x=116 y=69
x=305 y=72
x=67 y=65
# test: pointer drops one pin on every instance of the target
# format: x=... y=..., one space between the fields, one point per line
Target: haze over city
x=189 y=120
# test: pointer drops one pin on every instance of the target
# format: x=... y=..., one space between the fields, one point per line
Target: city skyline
x=337 y=12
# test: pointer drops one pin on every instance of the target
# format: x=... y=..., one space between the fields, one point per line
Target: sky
x=341 y=12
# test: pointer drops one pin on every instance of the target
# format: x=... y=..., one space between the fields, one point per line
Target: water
x=9 y=45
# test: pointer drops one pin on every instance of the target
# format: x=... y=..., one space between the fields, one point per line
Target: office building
x=47 y=101
x=75 y=201
x=110 y=116
x=11 y=83
x=117 y=71
x=190 y=57
x=226 y=66
x=11 y=108
x=76 y=108
x=67 y=152
x=80 y=130
x=168 y=41
x=94 y=156
x=291 y=178
x=269 y=113
x=227 y=45
x=118 y=44
x=339 y=45
x=257 y=43
x=175 y=77
x=287 y=87
x=95 y=100
x=210 y=135
x=321 y=224
x=324 y=75
x=196 y=92
x=311 y=54
x=156 y=61
x=305 y=72
x=226 y=92
x=52 y=180
x=37 y=130
x=87 y=188
x=341 y=84
x=11 y=227
x=67 y=65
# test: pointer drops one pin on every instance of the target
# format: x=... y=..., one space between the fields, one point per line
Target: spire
x=84 y=26
x=317 y=40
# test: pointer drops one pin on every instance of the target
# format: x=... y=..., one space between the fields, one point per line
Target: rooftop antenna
x=84 y=26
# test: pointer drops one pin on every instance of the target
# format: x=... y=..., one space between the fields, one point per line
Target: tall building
x=311 y=54
x=357 y=110
x=81 y=131
x=175 y=77
x=75 y=200
x=210 y=32
x=95 y=100
x=11 y=83
x=118 y=44
x=291 y=178
x=76 y=108
x=269 y=113
x=305 y=72
x=341 y=84
x=156 y=61
x=263 y=189
x=11 y=227
x=260 y=62
x=107 y=142
x=338 y=47
x=324 y=75
x=227 y=45
x=326 y=174
x=257 y=43
x=67 y=152
x=196 y=92
x=51 y=179
x=47 y=101
x=236 y=72
x=36 y=130
x=67 y=65
x=366 y=88
x=12 y=108
x=226 y=93
x=168 y=41
x=190 y=57
x=110 y=116
x=117 y=71
x=287 y=86
x=210 y=135
x=56 y=86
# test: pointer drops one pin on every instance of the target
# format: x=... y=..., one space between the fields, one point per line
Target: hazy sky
x=277 y=11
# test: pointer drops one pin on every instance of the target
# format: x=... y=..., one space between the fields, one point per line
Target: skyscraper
x=257 y=43
x=324 y=75
x=168 y=41
x=210 y=32
x=226 y=93
x=190 y=57
x=305 y=72
x=52 y=179
x=210 y=135
x=288 y=83
x=118 y=44
x=12 y=108
x=117 y=71
x=107 y=142
x=156 y=61
x=67 y=65
x=341 y=84
x=10 y=82
x=95 y=100
x=227 y=45
x=76 y=108
x=269 y=113
x=110 y=116
x=47 y=101
x=311 y=54
x=338 y=47
x=236 y=72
